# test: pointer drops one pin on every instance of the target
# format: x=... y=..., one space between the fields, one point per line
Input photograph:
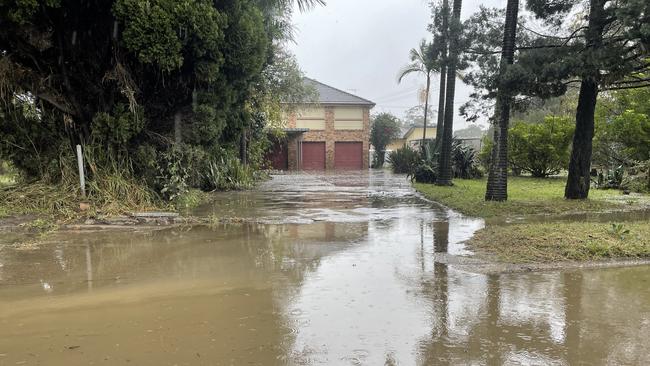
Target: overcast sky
x=360 y=45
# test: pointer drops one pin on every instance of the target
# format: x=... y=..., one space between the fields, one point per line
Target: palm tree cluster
x=440 y=56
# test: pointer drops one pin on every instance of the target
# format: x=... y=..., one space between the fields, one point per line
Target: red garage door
x=313 y=155
x=348 y=155
x=278 y=156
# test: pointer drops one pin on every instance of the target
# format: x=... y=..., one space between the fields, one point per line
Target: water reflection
x=362 y=286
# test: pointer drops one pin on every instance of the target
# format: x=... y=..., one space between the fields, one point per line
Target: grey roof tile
x=330 y=95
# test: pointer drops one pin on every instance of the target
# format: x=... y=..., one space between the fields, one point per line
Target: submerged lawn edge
x=494 y=267
x=546 y=244
x=563 y=241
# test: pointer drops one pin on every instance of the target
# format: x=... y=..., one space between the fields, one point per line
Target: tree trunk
x=579 y=181
x=497 y=185
x=441 y=103
x=381 y=157
x=445 y=173
x=426 y=110
x=440 y=128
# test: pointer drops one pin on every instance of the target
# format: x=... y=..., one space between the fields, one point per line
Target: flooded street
x=325 y=270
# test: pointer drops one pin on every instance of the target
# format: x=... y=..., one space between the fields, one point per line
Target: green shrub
x=404 y=160
x=422 y=165
x=610 y=178
x=228 y=173
x=637 y=178
x=425 y=172
x=465 y=162
x=542 y=149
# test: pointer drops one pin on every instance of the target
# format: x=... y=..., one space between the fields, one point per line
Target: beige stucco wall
x=412 y=137
x=416 y=133
x=395 y=144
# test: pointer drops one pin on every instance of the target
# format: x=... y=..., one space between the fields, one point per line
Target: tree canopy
x=131 y=78
x=385 y=127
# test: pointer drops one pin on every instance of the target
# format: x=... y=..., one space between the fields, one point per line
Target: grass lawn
x=546 y=241
x=526 y=196
x=551 y=242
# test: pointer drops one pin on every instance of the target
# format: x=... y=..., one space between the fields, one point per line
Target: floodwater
x=335 y=270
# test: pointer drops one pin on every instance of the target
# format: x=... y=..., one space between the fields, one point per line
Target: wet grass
x=566 y=241
x=526 y=196
x=63 y=202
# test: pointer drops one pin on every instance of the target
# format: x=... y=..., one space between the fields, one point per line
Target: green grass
x=526 y=196
x=574 y=241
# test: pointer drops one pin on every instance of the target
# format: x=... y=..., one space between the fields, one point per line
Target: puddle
x=336 y=270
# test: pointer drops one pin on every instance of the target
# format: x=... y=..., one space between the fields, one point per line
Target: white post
x=82 y=179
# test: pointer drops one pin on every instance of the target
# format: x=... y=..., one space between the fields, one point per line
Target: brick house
x=333 y=133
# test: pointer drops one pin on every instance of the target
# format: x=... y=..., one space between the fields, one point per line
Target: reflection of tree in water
x=533 y=318
x=295 y=249
x=243 y=251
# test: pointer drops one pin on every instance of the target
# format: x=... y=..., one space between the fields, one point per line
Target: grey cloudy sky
x=360 y=45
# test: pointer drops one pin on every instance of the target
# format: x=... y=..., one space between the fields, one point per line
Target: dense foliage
x=385 y=127
x=422 y=166
x=403 y=160
x=541 y=149
x=622 y=128
x=637 y=178
x=466 y=163
x=171 y=93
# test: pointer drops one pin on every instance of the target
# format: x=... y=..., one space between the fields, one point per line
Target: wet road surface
x=337 y=270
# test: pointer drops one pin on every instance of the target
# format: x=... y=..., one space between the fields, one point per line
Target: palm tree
x=440 y=41
x=497 y=185
x=422 y=62
x=445 y=173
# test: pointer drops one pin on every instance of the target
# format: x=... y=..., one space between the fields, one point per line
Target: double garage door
x=347 y=155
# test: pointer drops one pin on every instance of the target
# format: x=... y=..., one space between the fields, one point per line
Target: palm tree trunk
x=445 y=174
x=579 y=181
x=440 y=128
x=426 y=110
x=497 y=186
x=441 y=103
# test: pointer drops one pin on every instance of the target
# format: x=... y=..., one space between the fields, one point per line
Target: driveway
x=325 y=269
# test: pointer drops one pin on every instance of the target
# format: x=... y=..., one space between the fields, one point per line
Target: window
x=348 y=118
x=311 y=117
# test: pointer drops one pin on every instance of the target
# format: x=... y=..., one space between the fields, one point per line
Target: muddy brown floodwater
x=337 y=270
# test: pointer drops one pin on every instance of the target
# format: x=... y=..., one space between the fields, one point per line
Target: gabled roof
x=330 y=95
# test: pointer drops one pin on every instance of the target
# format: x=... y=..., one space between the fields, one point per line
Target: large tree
x=608 y=49
x=131 y=67
x=497 y=184
x=596 y=44
x=131 y=79
x=445 y=172
x=385 y=127
x=440 y=30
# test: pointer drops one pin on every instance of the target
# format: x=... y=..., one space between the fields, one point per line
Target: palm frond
x=409 y=69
